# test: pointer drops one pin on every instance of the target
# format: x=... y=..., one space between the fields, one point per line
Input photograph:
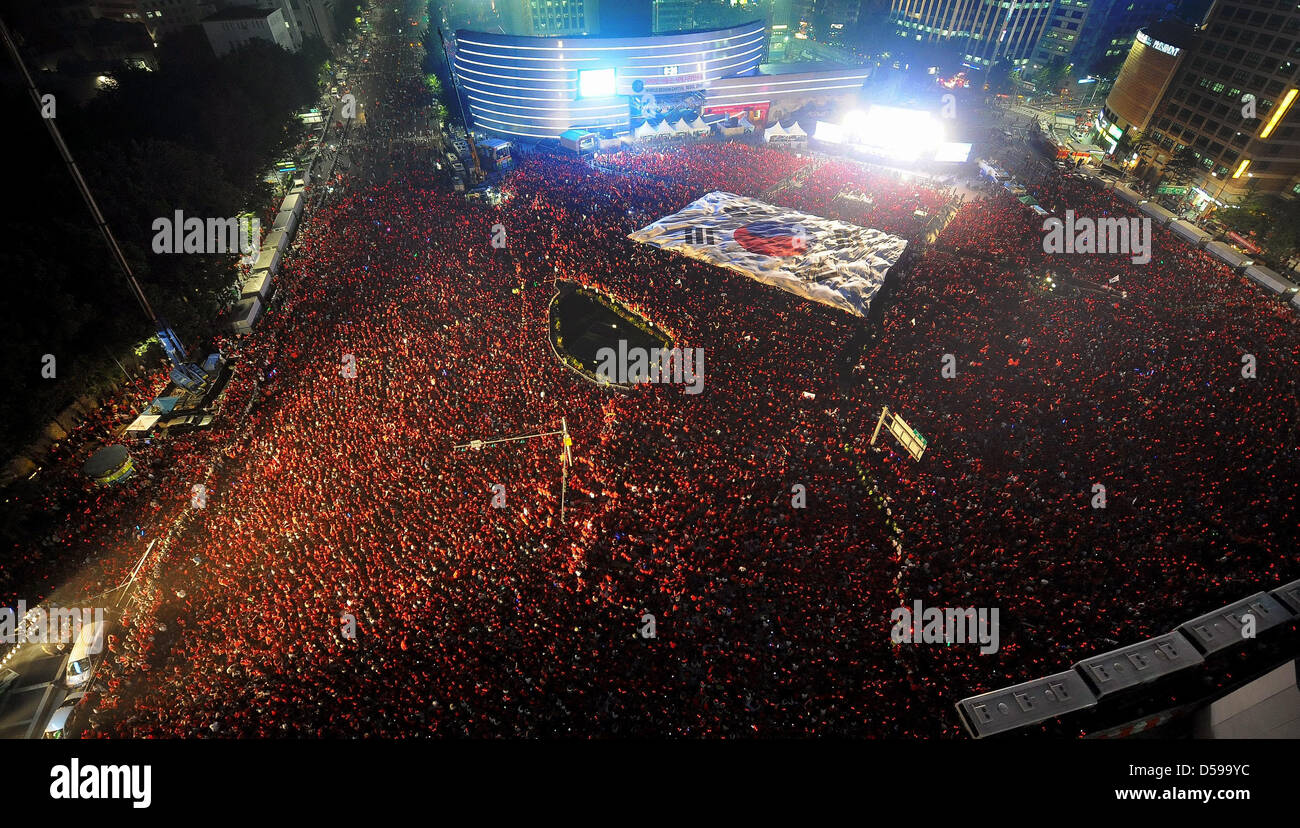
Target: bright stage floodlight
x=893 y=132
x=596 y=83
x=952 y=153
x=828 y=132
x=909 y=131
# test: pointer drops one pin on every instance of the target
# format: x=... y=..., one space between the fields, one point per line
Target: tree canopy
x=198 y=135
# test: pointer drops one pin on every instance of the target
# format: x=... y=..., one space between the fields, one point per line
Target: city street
x=394 y=138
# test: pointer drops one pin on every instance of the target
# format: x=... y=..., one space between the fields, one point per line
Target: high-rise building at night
x=543 y=18
x=235 y=26
x=672 y=16
x=984 y=31
x=628 y=18
x=1231 y=101
x=1092 y=34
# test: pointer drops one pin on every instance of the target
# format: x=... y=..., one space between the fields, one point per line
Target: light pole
x=1095 y=82
x=566 y=457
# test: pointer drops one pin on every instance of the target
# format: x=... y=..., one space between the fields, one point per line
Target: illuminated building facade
x=1092 y=34
x=550 y=18
x=538 y=87
x=1152 y=62
x=1246 y=48
x=986 y=31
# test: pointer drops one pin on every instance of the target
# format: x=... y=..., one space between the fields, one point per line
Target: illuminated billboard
x=596 y=83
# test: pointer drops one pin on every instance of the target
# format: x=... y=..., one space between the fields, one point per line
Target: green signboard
x=1170 y=189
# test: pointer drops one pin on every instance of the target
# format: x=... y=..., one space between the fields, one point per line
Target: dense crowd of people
x=709 y=165
x=338 y=499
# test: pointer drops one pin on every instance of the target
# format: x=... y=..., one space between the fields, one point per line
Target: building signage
x=1173 y=51
x=665 y=84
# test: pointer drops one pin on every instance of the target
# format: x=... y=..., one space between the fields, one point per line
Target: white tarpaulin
x=144 y=422
x=827 y=261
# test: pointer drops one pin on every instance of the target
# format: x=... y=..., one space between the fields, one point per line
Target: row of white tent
x=664 y=128
x=256 y=288
x=1222 y=251
x=783 y=134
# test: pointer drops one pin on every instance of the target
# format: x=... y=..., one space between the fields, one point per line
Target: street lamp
x=566 y=457
x=1094 y=83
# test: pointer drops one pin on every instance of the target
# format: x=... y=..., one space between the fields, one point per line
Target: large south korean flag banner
x=827 y=261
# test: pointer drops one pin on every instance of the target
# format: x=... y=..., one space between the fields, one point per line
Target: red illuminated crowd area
x=340 y=495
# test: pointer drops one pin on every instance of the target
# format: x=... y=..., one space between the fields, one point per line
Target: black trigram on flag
x=701 y=235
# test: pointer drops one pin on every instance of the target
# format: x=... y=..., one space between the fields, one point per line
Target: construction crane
x=566 y=456
x=186 y=374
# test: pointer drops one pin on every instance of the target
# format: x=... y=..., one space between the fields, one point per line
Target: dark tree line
x=197 y=135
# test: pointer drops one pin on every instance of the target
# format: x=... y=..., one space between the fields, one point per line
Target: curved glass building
x=538 y=87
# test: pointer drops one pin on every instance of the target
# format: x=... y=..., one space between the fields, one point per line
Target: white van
x=81 y=664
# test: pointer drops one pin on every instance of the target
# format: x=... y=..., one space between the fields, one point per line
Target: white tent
x=681 y=127
x=663 y=129
x=293 y=203
x=698 y=127
x=144 y=422
x=644 y=131
x=795 y=130
x=774 y=131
